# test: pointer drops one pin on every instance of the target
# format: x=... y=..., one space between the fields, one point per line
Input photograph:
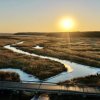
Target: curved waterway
x=75 y=70
x=23 y=76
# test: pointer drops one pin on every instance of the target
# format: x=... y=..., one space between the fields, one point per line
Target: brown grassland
x=92 y=80
x=41 y=68
x=9 y=76
x=82 y=50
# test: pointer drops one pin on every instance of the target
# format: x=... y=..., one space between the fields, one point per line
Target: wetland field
x=83 y=50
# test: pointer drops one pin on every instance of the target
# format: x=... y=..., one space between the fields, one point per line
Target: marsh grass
x=9 y=76
x=41 y=68
x=84 y=50
x=91 y=80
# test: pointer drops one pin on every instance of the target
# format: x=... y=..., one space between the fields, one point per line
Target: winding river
x=75 y=70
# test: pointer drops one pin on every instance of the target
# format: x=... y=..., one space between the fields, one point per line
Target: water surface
x=75 y=70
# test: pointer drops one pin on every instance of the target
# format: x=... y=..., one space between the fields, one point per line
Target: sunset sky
x=44 y=15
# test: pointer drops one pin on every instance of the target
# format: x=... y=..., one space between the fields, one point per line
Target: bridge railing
x=51 y=83
x=48 y=87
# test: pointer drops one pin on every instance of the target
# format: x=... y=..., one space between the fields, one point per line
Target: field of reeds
x=91 y=80
x=83 y=50
x=9 y=76
x=41 y=68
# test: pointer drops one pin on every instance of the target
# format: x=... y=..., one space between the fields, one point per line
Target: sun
x=66 y=24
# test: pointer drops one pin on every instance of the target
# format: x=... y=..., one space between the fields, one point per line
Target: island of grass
x=41 y=68
x=91 y=80
x=9 y=76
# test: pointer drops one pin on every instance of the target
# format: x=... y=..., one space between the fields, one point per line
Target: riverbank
x=9 y=76
x=32 y=65
x=92 y=80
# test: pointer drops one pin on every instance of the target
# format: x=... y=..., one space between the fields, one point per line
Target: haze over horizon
x=44 y=15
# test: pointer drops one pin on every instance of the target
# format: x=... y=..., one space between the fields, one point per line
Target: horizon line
x=44 y=32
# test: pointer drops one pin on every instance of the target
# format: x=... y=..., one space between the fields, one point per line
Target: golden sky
x=44 y=15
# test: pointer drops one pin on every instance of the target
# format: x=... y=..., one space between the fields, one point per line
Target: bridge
x=50 y=88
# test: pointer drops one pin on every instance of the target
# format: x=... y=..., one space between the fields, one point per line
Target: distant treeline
x=64 y=34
